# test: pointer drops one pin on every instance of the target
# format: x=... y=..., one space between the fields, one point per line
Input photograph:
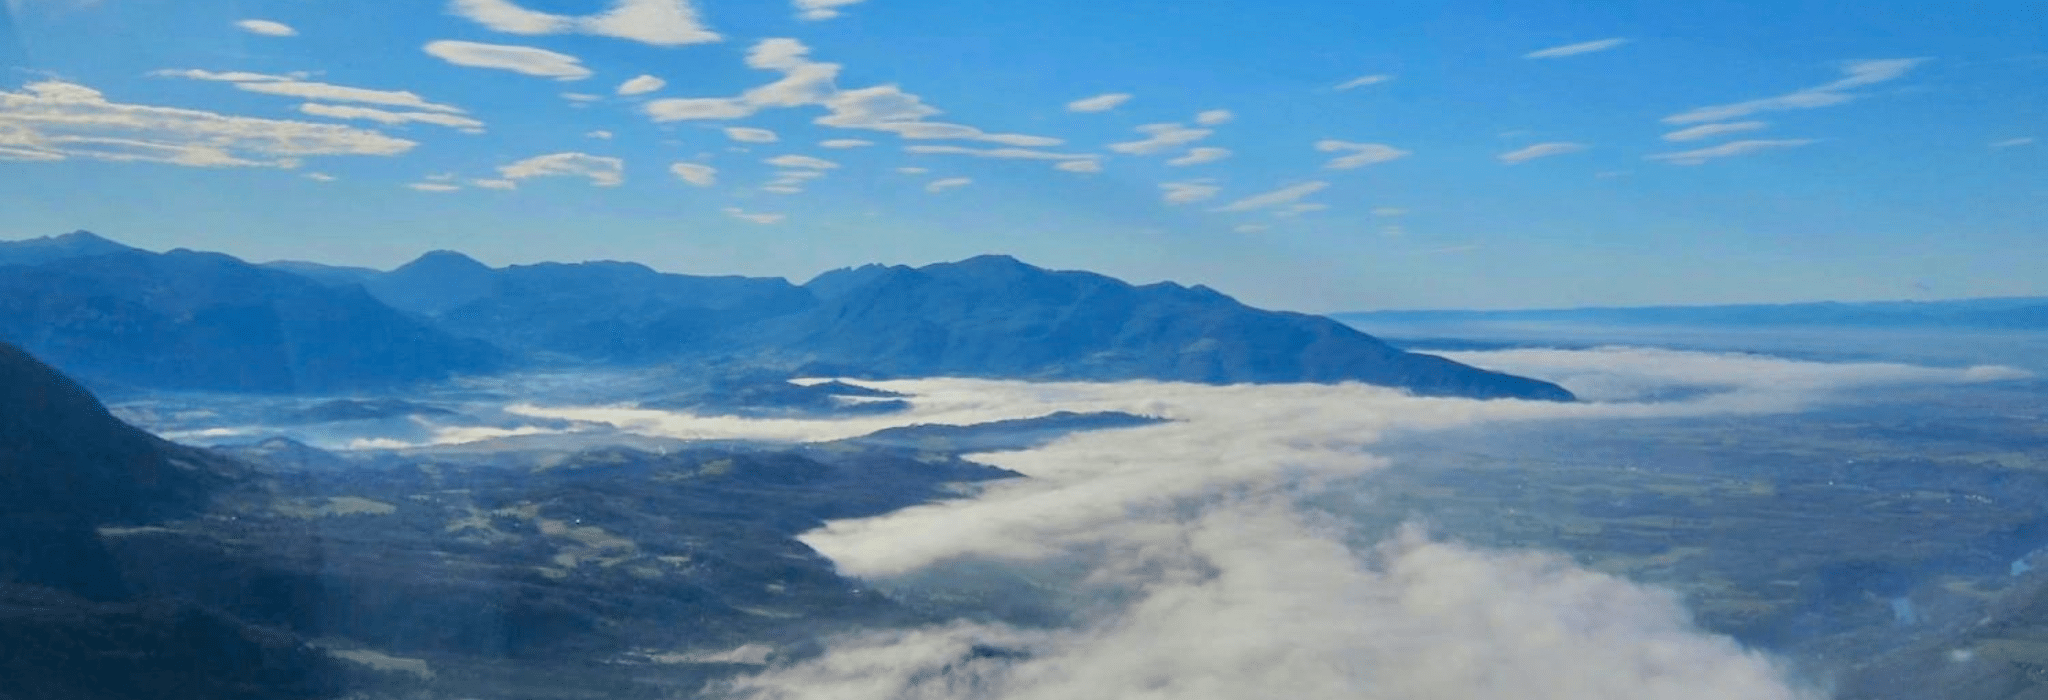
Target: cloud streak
x=1856 y=74
x=1576 y=49
x=1541 y=150
x=525 y=60
x=1733 y=148
x=55 y=120
x=657 y=22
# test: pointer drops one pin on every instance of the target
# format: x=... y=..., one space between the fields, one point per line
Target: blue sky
x=1309 y=155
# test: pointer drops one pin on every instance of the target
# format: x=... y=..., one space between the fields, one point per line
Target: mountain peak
x=443 y=261
x=76 y=244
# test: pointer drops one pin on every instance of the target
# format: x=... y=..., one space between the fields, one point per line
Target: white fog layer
x=1181 y=545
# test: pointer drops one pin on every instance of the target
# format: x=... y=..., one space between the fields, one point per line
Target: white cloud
x=687 y=108
x=814 y=10
x=1198 y=156
x=1576 y=49
x=495 y=184
x=737 y=213
x=579 y=97
x=2014 y=143
x=1099 y=103
x=1361 y=154
x=845 y=143
x=1161 y=137
x=388 y=117
x=321 y=177
x=658 y=22
x=290 y=86
x=1188 y=192
x=947 y=184
x=603 y=171
x=797 y=161
x=266 y=27
x=1363 y=81
x=1280 y=197
x=1855 y=74
x=747 y=134
x=1540 y=150
x=913 y=170
x=890 y=109
x=1299 y=208
x=1092 y=165
x=600 y=134
x=433 y=186
x=1703 y=131
x=1251 y=228
x=1732 y=148
x=641 y=85
x=1190 y=570
x=695 y=173
x=1215 y=117
x=526 y=60
x=1004 y=153
x=54 y=120
x=781 y=189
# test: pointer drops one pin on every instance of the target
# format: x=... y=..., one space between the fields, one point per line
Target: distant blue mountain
x=1986 y=313
x=77 y=244
x=993 y=316
x=195 y=320
x=189 y=320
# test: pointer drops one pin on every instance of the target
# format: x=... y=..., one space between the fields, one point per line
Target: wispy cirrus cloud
x=657 y=22
x=695 y=173
x=1856 y=74
x=1099 y=103
x=1214 y=117
x=602 y=171
x=1540 y=150
x=54 y=120
x=758 y=218
x=999 y=153
x=1364 y=80
x=941 y=185
x=1160 y=138
x=266 y=27
x=525 y=60
x=1276 y=198
x=801 y=161
x=2014 y=143
x=805 y=82
x=1705 y=131
x=748 y=134
x=845 y=143
x=814 y=10
x=1361 y=154
x=1200 y=155
x=388 y=117
x=1188 y=192
x=1584 y=47
x=1732 y=148
x=296 y=86
x=1081 y=166
x=640 y=85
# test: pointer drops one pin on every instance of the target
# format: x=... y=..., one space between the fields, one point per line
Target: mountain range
x=119 y=317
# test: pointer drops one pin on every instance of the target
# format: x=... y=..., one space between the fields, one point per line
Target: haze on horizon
x=1325 y=158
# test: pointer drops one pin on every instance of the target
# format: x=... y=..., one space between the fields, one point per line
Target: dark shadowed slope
x=994 y=316
x=187 y=320
x=67 y=630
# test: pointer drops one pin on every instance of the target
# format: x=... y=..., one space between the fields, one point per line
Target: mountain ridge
x=985 y=316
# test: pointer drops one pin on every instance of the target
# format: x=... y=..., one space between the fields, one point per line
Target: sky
x=1312 y=155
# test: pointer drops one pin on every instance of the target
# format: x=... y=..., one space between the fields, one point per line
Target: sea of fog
x=1182 y=550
